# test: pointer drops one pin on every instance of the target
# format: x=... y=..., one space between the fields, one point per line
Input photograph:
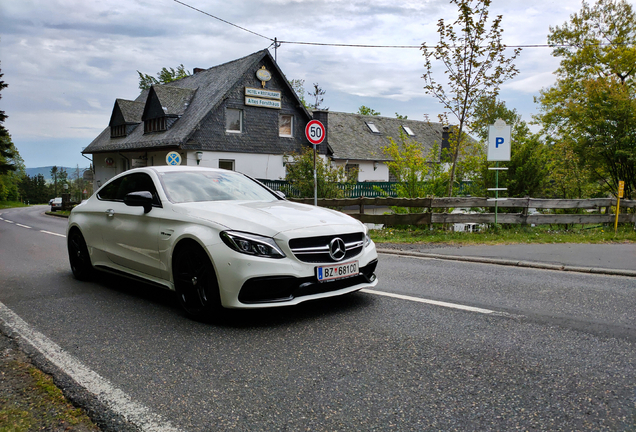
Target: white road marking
x=8 y=221
x=105 y=392
x=52 y=233
x=23 y=226
x=432 y=302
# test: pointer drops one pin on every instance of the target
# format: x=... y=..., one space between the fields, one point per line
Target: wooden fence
x=594 y=211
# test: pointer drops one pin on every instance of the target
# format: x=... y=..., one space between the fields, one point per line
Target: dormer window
x=373 y=128
x=408 y=130
x=155 y=125
x=118 y=131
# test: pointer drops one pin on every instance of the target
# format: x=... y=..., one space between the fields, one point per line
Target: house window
x=233 y=120
x=373 y=128
x=118 y=131
x=155 y=125
x=351 y=171
x=227 y=164
x=408 y=130
x=285 y=125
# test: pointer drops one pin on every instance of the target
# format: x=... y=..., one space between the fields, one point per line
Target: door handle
x=110 y=212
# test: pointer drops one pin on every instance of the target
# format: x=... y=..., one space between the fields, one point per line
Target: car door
x=130 y=236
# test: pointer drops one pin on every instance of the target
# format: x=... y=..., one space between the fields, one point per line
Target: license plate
x=338 y=271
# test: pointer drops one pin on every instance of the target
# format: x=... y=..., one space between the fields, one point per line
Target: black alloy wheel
x=195 y=282
x=78 y=256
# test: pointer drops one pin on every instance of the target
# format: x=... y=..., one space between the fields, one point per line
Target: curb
x=50 y=213
x=514 y=263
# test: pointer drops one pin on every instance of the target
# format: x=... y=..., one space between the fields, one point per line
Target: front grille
x=285 y=288
x=316 y=249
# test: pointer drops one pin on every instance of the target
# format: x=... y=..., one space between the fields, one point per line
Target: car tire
x=195 y=283
x=78 y=256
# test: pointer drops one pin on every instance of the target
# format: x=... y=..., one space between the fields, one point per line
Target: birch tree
x=476 y=65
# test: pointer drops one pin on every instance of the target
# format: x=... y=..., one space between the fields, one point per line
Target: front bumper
x=275 y=289
x=247 y=282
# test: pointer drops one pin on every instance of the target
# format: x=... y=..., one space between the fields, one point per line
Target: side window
x=109 y=192
x=117 y=190
x=137 y=182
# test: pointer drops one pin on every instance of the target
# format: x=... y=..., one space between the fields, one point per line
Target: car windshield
x=197 y=186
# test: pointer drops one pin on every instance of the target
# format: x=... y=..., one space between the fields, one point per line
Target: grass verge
x=511 y=234
x=11 y=204
x=30 y=401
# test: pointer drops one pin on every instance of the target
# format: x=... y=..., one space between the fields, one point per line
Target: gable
x=198 y=100
x=126 y=112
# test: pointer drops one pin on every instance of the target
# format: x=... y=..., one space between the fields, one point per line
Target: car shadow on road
x=241 y=318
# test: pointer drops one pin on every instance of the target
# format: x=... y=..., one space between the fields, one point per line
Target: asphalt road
x=545 y=350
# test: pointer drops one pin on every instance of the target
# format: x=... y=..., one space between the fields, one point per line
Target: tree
x=365 y=110
x=528 y=168
x=318 y=97
x=6 y=146
x=299 y=87
x=417 y=170
x=400 y=116
x=476 y=66
x=300 y=174
x=592 y=106
x=165 y=76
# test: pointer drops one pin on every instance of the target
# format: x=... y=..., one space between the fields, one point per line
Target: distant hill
x=46 y=171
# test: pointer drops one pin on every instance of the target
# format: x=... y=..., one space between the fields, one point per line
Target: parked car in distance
x=56 y=204
x=219 y=239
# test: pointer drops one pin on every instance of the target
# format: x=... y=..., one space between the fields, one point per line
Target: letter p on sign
x=499 y=142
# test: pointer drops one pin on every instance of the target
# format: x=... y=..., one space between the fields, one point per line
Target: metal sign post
x=498 y=150
x=621 y=189
x=315 y=133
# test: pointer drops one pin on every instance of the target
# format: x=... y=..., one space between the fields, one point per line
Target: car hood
x=269 y=218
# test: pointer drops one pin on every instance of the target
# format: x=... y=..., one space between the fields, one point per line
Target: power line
x=277 y=43
x=222 y=20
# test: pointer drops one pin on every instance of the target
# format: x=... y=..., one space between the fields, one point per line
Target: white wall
x=255 y=165
x=260 y=166
x=366 y=171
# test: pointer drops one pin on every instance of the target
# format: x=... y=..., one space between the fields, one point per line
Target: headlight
x=367 y=237
x=252 y=244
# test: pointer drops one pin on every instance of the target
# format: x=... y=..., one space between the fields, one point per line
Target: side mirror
x=139 y=199
x=280 y=194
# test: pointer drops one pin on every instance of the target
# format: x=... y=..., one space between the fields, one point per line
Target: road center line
x=432 y=302
x=52 y=233
x=107 y=393
x=8 y=221
x=23 y=226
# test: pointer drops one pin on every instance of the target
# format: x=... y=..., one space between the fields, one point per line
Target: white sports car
x=219 y=238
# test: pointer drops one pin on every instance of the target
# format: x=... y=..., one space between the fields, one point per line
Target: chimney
x=323 y=117
x=197 y=70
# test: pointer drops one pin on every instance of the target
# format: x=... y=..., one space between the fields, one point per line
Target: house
x=356 y=141
x=242 y=115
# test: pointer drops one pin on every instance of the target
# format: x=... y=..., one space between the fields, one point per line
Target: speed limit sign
x=315 y=132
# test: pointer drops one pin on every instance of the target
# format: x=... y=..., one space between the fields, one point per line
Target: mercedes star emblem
x=337 y=249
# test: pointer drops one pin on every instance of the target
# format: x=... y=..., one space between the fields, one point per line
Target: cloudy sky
x=67 y=60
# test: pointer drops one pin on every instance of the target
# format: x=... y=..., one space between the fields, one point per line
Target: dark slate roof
x=173 y=100
x=126 y=112
x=350 y=138
x=211 y=86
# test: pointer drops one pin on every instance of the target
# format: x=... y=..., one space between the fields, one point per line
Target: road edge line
x=105 y=392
